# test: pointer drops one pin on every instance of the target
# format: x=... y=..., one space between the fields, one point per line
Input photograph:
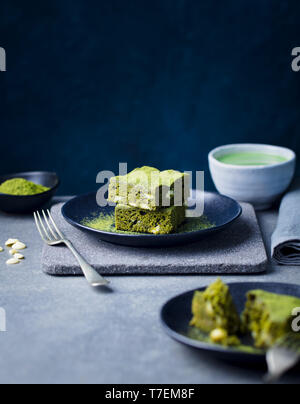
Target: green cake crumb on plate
x=233 y=343
x=106 y=223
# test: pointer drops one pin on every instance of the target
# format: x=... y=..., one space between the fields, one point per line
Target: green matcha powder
x=21 y=187
x=107 y=223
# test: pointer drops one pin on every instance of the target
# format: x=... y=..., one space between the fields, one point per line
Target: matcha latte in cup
x=254 y=173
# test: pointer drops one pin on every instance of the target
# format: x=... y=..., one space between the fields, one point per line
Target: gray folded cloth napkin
x=286 y=238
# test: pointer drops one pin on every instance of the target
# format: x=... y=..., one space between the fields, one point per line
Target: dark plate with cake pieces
x=176 y=315
x=29 y=203
x=220 y=212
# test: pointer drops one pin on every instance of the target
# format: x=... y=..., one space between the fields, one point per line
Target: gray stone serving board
x=237 y=250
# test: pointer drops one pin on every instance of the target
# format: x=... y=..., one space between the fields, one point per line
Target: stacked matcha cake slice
x=268 y=316
x=214 y=312
x=149 y=200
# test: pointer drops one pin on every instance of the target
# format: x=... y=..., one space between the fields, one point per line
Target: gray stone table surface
x=61 y=331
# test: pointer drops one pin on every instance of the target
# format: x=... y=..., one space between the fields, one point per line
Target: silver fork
x=52 y=236
x=283 y=357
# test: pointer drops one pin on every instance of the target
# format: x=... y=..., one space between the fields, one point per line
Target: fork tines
x=47 y=228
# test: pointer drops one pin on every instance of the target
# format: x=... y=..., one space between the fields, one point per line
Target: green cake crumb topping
x=21 y=187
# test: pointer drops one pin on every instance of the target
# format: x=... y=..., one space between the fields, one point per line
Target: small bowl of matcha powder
x=21 y=187
x=27 y=192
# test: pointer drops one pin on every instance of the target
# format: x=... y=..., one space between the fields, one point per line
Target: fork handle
x=89 y=272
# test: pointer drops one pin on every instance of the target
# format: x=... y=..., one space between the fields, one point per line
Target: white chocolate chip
x=19 y=246
x=12 y=261
x=19 y=256
x=11 y=241
x=1 y=249
x=13 y=252
x=155 y=230
x=218 y=335
x=209 y=309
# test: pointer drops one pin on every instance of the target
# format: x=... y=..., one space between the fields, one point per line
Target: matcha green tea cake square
x=150 y=189
x=214 y=309
x=160 y=221
x=268 y=316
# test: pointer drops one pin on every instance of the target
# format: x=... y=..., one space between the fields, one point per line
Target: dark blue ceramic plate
x=219 y=210
x=176 y=315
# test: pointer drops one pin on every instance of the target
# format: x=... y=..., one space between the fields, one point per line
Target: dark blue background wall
x=160 y=82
